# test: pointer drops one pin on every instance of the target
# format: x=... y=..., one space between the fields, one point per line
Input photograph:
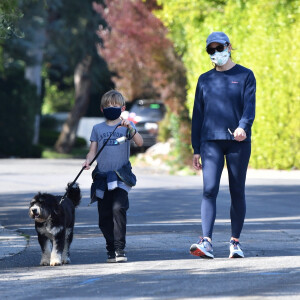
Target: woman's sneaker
x=121 y=256
x=111 y=257
x=202 y=248
x=235 y=250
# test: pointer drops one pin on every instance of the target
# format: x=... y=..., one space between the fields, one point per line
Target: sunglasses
x=219 y=48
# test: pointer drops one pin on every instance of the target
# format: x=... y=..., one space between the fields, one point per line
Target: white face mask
x=220 y=58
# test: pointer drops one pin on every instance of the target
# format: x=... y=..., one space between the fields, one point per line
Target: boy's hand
x=126 y=123
x=86 y=165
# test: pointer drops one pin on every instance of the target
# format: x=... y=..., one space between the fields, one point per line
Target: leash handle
x=98 y=153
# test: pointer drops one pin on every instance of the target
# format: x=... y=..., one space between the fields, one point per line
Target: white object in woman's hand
x=239 y=134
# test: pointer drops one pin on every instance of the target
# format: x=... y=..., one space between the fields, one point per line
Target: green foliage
x=49 y=122
x=49 y=133
x=18 y=108
x=175 y=127
x=264 y=34
x=165 y=128
x=75 y=153
x=9 y=14
x=75 y=23
x=48 y=137
x=56 y=99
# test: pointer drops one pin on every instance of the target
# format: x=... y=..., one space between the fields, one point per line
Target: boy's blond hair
x=112 y=97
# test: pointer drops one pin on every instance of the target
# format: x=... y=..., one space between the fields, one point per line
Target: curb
x=11 y=242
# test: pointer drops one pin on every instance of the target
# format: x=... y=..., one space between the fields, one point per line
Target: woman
x=223 y=114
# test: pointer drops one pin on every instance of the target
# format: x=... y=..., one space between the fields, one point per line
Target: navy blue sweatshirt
x=223 y=100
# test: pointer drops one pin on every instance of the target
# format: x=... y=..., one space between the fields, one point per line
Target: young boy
x=108 y=188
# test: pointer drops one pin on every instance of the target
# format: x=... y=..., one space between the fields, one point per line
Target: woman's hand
x=196 y=162
x=239 y=134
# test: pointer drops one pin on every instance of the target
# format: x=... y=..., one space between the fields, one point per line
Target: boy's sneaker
x=235 y=250
x=121 y=256
x=111 y=257
x=202 y=248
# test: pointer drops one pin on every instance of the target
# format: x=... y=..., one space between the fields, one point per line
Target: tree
x=138 y=52
x=59 y=44
x=23 y=56
x=75 y=23
x=34 y=23
x=9 y=14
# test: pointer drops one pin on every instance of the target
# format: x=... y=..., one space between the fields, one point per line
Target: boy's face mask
x=112 y=113
x=220 y=58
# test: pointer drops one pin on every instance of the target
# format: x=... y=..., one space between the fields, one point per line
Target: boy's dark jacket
x=101 y=179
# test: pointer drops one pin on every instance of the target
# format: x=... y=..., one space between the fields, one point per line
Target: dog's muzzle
x=35 y=212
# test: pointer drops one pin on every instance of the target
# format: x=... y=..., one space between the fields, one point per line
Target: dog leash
x=100 y=150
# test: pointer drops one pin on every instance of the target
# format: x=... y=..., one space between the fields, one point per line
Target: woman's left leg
x=237 y=159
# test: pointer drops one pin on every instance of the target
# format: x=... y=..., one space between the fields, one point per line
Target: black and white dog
x=54 y=223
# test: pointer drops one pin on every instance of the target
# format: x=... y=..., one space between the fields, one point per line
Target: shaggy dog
x=54 y=223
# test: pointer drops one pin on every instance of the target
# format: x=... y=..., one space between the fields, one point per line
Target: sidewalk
x=11 y=243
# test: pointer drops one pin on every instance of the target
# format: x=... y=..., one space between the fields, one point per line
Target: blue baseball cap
x=217 y=37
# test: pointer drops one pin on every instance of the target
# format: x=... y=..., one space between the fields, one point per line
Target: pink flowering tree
x=144 y=62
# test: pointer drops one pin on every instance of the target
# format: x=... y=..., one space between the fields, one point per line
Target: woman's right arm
x=197 y=119
x=90 y=156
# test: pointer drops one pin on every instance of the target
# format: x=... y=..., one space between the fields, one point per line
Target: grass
x=26 y=236
x=75 y=153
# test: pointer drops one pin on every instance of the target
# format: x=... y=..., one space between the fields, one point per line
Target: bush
x=19 y=105
x=251 y=25
x=48 y=122
x=48 y=138
x=80 y=142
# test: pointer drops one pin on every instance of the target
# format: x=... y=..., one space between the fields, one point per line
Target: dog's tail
x=74 y=193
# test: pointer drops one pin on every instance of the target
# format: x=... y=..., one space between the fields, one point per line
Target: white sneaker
x=235 y=250
x=121 y=256
x=202 y=248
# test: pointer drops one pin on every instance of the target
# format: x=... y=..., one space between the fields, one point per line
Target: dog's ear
x=35 y=198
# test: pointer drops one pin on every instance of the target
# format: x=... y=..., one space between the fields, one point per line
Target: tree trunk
x=82 y=82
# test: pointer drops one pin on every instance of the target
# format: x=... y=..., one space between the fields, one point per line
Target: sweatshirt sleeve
x=197 y=118
x=249 y=103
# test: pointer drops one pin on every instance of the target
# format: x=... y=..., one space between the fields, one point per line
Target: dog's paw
x=66 y=261
x=55 y=259
x=44 y=262
x=55 y=263
x=45 y=259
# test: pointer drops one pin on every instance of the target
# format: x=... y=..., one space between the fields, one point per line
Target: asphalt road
x=163 y=220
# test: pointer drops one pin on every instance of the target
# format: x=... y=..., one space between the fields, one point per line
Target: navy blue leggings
x=237 y=158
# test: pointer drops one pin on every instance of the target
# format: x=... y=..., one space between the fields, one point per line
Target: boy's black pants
x=112 y=218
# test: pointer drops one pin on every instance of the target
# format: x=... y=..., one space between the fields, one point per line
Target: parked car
x=146 y=114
